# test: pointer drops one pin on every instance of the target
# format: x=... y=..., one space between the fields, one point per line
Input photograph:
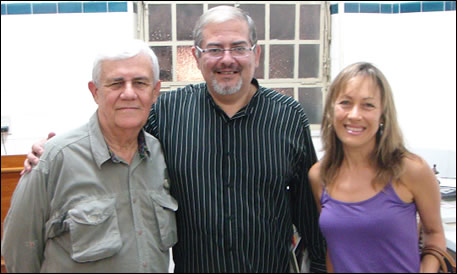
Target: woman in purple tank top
x=368 y=186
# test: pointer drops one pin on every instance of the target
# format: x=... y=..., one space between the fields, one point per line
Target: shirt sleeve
x=23 y=233
x=304 y=210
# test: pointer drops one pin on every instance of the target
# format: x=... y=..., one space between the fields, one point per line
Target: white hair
x=124 y=50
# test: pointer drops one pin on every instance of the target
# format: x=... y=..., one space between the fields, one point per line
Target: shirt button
x=140 y=232
x=145 y=265
x=134 y=200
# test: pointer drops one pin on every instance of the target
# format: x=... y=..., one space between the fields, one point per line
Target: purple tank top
x=375 y=235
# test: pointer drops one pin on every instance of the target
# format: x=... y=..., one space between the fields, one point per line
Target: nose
x=227 y=57
x=354 y=113
x=129 y=92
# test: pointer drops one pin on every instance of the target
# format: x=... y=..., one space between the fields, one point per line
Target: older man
x=98 y=200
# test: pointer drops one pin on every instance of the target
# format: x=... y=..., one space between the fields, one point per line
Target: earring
x=381 y=129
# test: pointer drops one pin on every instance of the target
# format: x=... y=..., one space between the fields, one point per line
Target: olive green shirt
x=82 y=209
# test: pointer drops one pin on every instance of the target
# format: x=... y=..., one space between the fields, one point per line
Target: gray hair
x=221 y=14
x=125 y=50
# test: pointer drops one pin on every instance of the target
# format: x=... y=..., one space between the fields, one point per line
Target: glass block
x=308 y=66
x=282 y=22
x=186 y=17
x=281 y=61
x=260 y=70
x=310 y=22
x=165 y=57
x=257 y=14
x=186 y=67
x=159 y=22
x=311 y=101
x=286 y=91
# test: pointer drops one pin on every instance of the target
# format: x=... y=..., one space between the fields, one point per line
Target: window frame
x=295 y=83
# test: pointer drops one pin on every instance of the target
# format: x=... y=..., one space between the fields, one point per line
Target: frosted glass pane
x=310 y=22
x=210 y=6
x=186 y=17
x=186 y=67
x=282 y=22
x=311 y=101
x=286 y=91
x=159 y=22
x=257 y=13
x=165 y=61
x=309 y=61
x=281 y=61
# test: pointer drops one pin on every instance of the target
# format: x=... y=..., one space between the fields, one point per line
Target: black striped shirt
x=240 y=182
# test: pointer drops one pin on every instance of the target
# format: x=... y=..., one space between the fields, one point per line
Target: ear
x=94 y=90
x=156 y=91
x=258 y=52
x=197 y=60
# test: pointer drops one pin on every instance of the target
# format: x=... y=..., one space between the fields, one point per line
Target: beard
x=226 y=90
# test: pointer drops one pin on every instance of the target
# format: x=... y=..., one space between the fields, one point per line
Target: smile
x=354 y=130
x=127 y=108
x=226 y=72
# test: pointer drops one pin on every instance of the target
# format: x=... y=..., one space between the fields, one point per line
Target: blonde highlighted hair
x=389 y=152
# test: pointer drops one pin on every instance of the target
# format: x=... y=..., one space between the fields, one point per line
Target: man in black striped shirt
x=238 y=156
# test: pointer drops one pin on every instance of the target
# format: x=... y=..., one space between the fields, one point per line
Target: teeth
x=227 y=72
x=354 y=129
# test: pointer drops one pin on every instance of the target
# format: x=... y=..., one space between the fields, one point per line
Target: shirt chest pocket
x=164 y=208
x=94 y=230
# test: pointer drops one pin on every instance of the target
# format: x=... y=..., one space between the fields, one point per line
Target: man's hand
x=34 y=156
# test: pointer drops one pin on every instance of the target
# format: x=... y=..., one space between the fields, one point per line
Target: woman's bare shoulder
x=417 y=172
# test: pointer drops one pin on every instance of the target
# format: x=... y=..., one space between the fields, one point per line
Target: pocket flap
x=93 y=212
x=165 y=200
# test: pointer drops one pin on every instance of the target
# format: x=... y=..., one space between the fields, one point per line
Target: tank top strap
x=324 y=196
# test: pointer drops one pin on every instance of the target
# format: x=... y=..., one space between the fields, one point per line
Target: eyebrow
x=236 y=43
x=350 y=97
x=122 y=79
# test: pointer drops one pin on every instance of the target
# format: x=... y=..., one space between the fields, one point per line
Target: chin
x=130 y=124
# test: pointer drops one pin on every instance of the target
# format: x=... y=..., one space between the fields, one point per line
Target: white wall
x=46 y=63
x=417 y=53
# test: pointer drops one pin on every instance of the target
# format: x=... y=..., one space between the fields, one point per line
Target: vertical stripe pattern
x=240 y=182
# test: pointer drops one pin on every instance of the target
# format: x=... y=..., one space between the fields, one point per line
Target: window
x=293 y=35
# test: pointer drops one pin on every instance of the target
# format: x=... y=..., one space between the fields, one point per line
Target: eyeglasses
x=236 y=52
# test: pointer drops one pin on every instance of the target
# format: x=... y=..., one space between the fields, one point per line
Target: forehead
x=361 y=86
x=137 y=65
x=228 y=31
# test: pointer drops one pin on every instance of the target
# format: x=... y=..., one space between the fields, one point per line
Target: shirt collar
x=100 y=148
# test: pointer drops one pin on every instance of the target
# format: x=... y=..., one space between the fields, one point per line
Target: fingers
x=50 y=135
x=37 y=150
x=34 y=156
x=27 y=167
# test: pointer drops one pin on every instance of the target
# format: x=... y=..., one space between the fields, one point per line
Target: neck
x=355 y=159
x=232 y=103
x=124 y=144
